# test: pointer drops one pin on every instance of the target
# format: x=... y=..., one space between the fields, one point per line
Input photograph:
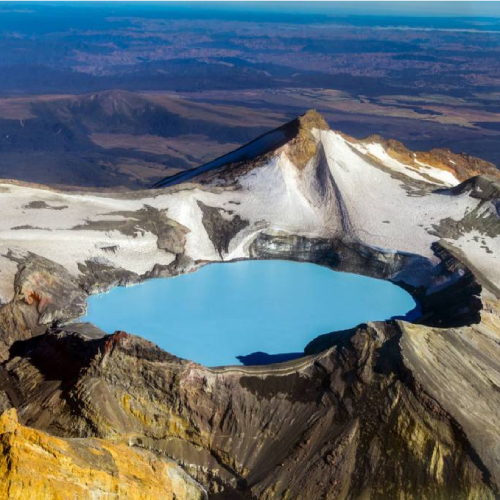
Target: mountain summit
x=297 y=134
x=303 y=138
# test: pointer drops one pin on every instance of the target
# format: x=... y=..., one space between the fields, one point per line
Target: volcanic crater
x=388 y=408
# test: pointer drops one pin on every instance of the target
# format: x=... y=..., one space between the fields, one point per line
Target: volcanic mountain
x=387 y=409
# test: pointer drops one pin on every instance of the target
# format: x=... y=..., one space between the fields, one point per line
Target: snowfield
x=348 y=189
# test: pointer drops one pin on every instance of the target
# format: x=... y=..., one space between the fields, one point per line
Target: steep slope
x=439 y=166
x=460 y=166
x=299 y=430
x=386 y=409
x=41 y=466
x=297 y=134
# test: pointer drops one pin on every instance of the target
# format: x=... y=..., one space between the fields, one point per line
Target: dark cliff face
x=348 y=422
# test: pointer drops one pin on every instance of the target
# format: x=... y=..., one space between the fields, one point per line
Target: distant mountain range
x=128 y=140
x=114 y=138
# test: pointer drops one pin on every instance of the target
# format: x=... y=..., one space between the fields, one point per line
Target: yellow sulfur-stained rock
x=36 y=465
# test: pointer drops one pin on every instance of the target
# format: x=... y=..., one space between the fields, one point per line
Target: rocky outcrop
x=303 y=146
x=45 y=293
x=455 y=368
x=221 y=226
x=463 y=166
x=170 y=234
x=36 y=465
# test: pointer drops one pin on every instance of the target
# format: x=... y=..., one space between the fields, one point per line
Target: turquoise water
x=236 y=309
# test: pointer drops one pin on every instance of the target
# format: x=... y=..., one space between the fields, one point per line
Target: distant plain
x=126 y=94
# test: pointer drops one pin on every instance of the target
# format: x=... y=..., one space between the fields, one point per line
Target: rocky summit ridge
x=296 y=136
x=392 y=409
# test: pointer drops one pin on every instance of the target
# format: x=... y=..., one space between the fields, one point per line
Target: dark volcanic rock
x=44 y=293
x=349 y=422
x=97 y=276
x=170 y=234
x=221 y=226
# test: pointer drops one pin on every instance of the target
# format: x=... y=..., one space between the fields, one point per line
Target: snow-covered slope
x=340 y=188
